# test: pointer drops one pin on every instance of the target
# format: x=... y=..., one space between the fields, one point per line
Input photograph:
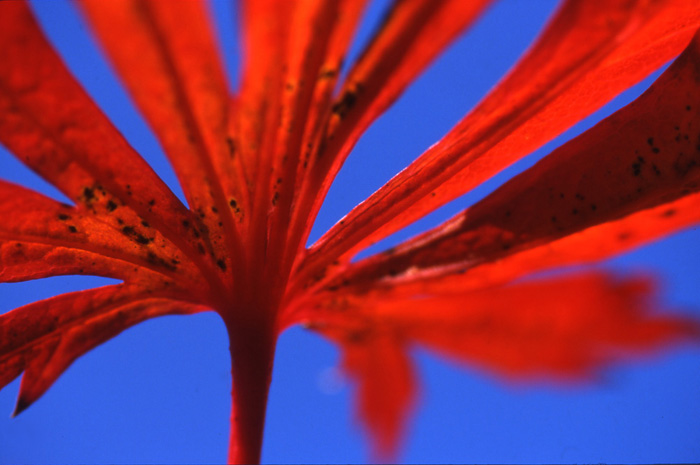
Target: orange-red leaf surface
x=378 y=363
x=413 y=33
x=591 y=51
x=42 y=339
x=643 y=156
x=581 y=248
x=51 y=124
x=255 y=167
x=40 y=237
x=562 y=328
x=293 y=52
x=309 y=77
x=171 y=66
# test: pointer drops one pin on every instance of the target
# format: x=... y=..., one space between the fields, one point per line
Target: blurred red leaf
x=561 y=328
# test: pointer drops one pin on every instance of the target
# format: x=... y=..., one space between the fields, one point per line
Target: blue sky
x=160 y=391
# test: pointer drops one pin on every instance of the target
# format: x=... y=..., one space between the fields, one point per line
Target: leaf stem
x=252 y=346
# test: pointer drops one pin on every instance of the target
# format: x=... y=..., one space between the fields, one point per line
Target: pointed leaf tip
x=21 y=405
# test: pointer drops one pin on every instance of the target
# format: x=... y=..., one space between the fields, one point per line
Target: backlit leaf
x=255 y=166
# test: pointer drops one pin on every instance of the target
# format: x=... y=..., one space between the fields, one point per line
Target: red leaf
x=44 y=338
x=378 y=363
x=256 y=166
x=562 y=328
x=537 y=328
x=51 y=125
x=302 y=79
x=643 y=156
x=40 y=237
x=584 y=247
x=172 y=69
x=589 y=53
x=411 y=37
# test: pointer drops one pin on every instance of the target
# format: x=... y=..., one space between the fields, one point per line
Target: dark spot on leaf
x=231 y=146
x=156 y=260
x=636 y=168
x=72 y=229
x=136 y=236
x=141 y=239
x=669 y=213
x=682 y=165
x=327 y=73
x=111 y=205
x=63 y=217
x=221 y=264
x=346 y=102
x=88 y=194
